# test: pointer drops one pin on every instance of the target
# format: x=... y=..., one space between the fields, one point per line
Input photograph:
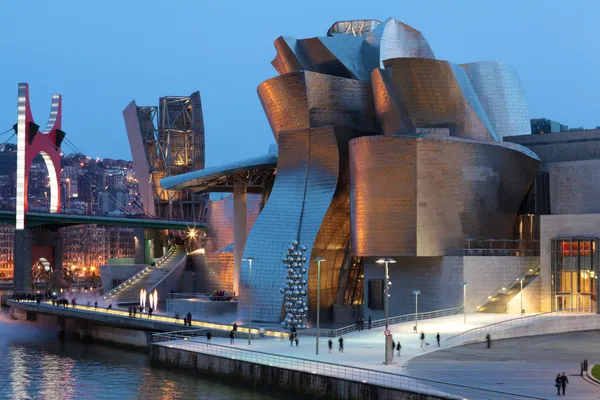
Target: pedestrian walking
x=341 y=342
x=422 y=338
x=564 y=381
x=557 y=383
x=369 y=322
x=232 y=337
x=296 y=339
x=488 y=340
x=133 y=310
x=398 y=348
x=73 y=302
x=130 y=311
x=189 y=315
x=109 y=306
x=150 y=312
x=291 y=339
x=208 y=336
x=362 y=323
x=330 y=344
x=437 y=337
x=185 y=320
x=393 y=348
x=96 y=305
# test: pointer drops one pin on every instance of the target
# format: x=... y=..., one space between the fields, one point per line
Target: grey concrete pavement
x=523 y=365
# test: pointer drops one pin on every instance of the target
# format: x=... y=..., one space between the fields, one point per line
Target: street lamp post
x=464 y=285
x=249 y=259
x=318 y=260
x=386 y=261
x=521 y=279
x=416 y=292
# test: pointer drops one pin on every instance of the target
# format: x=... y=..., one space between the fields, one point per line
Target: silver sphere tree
x=296 y=309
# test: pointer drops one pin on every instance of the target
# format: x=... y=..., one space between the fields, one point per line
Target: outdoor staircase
x=149 y=278
x=497 y=301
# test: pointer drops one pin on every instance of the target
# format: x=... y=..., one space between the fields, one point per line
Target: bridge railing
x=386 y=379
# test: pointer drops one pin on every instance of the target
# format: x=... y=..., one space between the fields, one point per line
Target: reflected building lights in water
x=57 y=379
x=19 y=378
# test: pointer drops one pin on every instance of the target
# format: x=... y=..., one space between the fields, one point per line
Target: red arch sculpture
x=30 y=142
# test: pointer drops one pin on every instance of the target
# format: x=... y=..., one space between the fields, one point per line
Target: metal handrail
x=397 y=320
x=146 y=269
x=500 y=289
x=168 y=273
x=478 y=334
x=204 y=296
x=352 y=373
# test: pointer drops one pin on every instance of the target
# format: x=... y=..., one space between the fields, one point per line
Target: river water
x=34 y=364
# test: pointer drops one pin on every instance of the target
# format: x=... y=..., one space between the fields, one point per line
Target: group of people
x=360 y=323
x=38 y=297
x=133 y=310
x=340 y=346
x=437 y=338
x=187 y=320
x=64 y=303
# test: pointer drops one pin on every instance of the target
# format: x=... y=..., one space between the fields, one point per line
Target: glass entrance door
x=584 y=302
x=563 y=302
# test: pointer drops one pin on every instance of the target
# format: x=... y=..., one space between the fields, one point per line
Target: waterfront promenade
x=120 y=317
x=362 y=359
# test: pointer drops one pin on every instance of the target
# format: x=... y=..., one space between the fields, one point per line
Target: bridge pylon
x=32 y=141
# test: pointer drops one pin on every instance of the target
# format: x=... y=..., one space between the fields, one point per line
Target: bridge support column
x=31 y=246
x=23 y=244
x=139 y=239
x=239 y=231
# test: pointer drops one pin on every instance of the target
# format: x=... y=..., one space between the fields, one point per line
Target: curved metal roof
x=205 y=177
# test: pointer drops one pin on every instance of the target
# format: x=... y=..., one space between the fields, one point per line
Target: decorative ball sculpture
x=296 y=308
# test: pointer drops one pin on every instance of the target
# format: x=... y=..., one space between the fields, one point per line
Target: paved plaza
x=366 y=348
x=526 y=365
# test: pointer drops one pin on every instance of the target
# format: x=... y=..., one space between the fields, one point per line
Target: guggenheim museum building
x=384 y=151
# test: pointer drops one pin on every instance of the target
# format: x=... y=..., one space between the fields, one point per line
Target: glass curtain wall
x=574 y=273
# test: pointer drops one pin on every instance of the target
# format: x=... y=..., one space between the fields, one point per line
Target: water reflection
x=41 y=367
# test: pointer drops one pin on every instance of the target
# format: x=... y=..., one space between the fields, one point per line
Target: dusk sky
x=100 y=55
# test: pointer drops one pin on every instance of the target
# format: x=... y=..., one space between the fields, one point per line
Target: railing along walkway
x=479 y=334
x=379 y=378
x=393 y=320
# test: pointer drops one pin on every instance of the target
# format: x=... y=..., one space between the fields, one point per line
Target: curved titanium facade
x=304 y=186
x=412 y=93
x=502 y=96
x=420 y=196
x=309 y=203
x=303 y=100
x=393 y=39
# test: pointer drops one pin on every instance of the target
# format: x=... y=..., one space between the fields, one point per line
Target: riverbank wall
x=268 y=376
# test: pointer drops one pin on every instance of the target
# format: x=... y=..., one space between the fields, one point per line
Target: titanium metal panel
x=424 y=93
x=393 y=39
x=502 y=96
x=290 y=57
x=305 y=185
x=303 y=100
x=340 y=56
x=421 y=196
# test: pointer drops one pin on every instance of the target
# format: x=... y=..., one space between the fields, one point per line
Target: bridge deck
x=120 y=318
x=33 y=220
